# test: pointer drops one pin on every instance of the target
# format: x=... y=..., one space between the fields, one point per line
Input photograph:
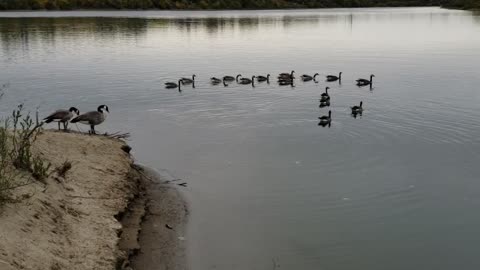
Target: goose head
x=316 y=74
x=102 y=109
x=74 y=110
x=238 y=76
x=361 y=103
x=326 y=89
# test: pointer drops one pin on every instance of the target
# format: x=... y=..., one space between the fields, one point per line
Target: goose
x=62 y=116
x=188 y=80
x=93 y=118
x=363 y=82
x=229 y=78
x=214 y=80
x=247 y=80
x=170 y=85
x=325 y=96
x=307 y=78
x=357 y=109
x=261 y=78
x=326 y=119
x=238 y=76
x=332 y=78
x=286 y=75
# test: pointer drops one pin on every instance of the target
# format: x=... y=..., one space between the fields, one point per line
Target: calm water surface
x=397 y=188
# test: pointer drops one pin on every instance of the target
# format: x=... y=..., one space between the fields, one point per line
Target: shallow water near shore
x=396 y=188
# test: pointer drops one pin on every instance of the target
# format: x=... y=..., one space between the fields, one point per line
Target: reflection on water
x=393 y=188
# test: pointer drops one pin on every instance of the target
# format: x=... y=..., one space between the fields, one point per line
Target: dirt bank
x=75 y=221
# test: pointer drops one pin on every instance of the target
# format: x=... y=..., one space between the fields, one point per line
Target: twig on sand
x=118 y=135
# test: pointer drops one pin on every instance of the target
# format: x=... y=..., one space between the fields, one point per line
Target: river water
x=395 y=188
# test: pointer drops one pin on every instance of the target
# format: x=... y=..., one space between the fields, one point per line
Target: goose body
x=215 y=80
x=326 y=118
x=247 y=80
x=307 y=78
x=325 y=96
x=188 y=80
x=93 y=118
x=261 y=78
x=357 y=109
x=170 y=85
x=229 y=78
x=332 y=78
x=286 y=75
x=62 y=116
x=363 y=82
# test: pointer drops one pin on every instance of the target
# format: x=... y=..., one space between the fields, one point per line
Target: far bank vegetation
x=224 y=4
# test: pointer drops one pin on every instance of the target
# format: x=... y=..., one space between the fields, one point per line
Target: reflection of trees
x=21 y=32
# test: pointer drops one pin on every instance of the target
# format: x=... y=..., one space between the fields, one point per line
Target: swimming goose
x=188 y=80
x=261 y=78
x=287 y=75
x=62 y=116
x=307 y=78
x=357 y=109
x=93 y=118
x=325 y=96
x=363 y=82
x=332 y=78
x=170 y=85
x=230 y=78
x=247 y=80
x=214 y=80
x=326 y=119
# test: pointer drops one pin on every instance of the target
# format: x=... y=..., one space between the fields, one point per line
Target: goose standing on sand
x=261 y=78
x=93 y=118
x=357 y=109
x=325 y=96
x=364 y=82
x=286 y=75
x=170 y=85
x=307 y=78
x=62 y=116
x=332 y=78
x=188 y=80
x=324 y=120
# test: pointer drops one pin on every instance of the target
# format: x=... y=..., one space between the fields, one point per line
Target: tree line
x=223 y=4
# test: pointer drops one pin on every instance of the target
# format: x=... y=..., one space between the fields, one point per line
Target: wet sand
x=162 y=237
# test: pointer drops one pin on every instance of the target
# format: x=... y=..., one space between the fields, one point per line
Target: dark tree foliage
x=224 y=4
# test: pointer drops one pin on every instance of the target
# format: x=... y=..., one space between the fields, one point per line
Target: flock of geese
x=94 y=118
x=72 y=115
x=282 y=79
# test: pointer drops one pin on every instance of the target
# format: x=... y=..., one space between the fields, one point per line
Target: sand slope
x=69 y=223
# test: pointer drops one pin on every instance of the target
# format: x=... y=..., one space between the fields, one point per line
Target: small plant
x=64 y=168
x=17 y=134
x=40 y=169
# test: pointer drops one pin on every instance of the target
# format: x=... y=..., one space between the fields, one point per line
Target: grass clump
x=64 y=168
x=17 y=134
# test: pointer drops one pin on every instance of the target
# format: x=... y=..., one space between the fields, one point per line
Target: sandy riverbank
x=92 y=217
